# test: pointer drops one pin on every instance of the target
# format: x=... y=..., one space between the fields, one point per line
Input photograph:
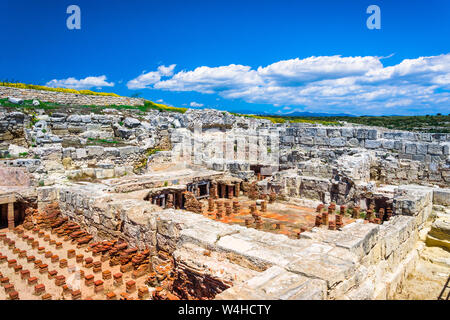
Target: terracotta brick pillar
x=369 y=214
x=263 y=206
x=236 y=206
x=228 y=209
x=237 y=189
x=381 y=214
x=213 y=191
x=210 y=204
x=259 y=224
x=318 y=220
x=179 y=200
x=253 y=208
x=342 y=210
x=11 y=215
x=331 y=225
x=272 y=197
x=230 y=191
x=388 y=214
x=223 y=190
x=355 y=213
x=169 y=204
x=330 y=209
x=325 y=217
x=339 y=222
x=219 y=208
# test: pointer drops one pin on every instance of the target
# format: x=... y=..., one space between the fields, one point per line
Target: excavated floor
x=290 y=218
x=27 y=291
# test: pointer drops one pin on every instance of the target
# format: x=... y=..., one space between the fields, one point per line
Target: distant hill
x=318 y=114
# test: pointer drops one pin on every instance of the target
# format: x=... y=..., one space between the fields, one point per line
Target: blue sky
x=243 y=56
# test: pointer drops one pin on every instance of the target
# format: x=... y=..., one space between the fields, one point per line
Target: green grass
x=430 y=123
x=28 y=104
x=103 y=141
x=436 y=123
x=283 y=119
x=45 y=88
x=148 y=105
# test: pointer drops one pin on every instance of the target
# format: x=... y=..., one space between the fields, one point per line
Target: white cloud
x=326 y=84
x=86 y=83
x=146 y=79
x=196 y=105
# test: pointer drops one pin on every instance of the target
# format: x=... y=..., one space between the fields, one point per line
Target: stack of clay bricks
x=236 y=206
x=210 y=205
x=50 y=218
x=256 y=216
x=213 y=191
x=319 y=208
x=191 y=203
x=388 y=213
x=263 y=206
x=49 y=215
x=272 y=197
x=141 y=263
x=169 y=203
x=115 y=252
x=339 y=223
x=356 y=212
x=219 y=206
x=28 y=220
x=253 y=192
x=228 y=208
x=369 y=213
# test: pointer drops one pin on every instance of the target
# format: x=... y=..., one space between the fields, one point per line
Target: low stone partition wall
x=68 y=98
x=415 y=201
x=361 y=261
x=441 y=197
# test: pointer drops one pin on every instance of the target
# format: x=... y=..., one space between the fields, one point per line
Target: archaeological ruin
x=125 y=204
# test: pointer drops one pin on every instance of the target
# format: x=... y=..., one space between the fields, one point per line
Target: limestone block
x=322 y=266
x=47 y=194
x=435 y=149
x=353 y=142
x=422 y=148
x=410 y=148
x=277 y=283
x=94 y=151
x=80 y=153
x=112 y=152
x=388 y=144
x=441 y=197
x=372 y=144
x=347 y=132
x=337 y=142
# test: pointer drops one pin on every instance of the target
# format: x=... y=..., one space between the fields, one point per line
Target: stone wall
x=12 y=129
x=68 y=98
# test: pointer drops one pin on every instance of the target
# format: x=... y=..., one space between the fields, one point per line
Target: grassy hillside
x=66 y=90
x=428 y=123
x=148 y=105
